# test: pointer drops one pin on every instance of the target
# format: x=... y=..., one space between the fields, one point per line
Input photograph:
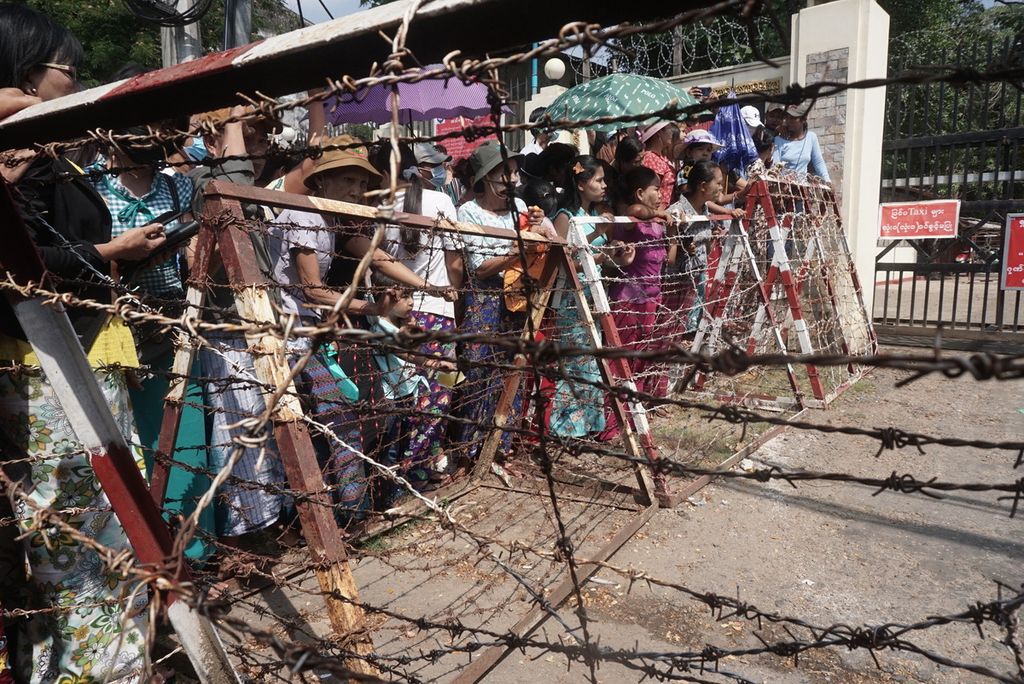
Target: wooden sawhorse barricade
x=792 y=277
x=221 y=229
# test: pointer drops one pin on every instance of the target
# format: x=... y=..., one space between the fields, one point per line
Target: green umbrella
x=618 y=95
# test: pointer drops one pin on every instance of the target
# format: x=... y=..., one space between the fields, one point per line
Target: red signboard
x=1013 y=254
x=459 y=147
x=918 y=220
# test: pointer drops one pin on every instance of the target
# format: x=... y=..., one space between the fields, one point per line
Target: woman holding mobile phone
x=84 y=621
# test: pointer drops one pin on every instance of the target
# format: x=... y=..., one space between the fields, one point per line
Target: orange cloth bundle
x=515 y=288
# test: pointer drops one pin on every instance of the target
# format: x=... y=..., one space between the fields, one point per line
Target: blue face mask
x=437 y=176
x=197 y=150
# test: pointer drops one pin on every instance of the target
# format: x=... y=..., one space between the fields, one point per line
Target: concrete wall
x=852 y=122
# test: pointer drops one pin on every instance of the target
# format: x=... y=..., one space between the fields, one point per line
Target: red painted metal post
x=67 y=369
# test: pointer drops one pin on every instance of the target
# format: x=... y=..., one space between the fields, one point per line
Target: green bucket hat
x=486 y=158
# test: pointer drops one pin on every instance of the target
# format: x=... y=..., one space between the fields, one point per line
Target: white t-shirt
x=292 y=230
x=531 y=148
x=428 y=263
x=477 y=249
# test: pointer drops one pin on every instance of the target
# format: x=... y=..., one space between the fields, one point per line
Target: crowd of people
x=101 y=219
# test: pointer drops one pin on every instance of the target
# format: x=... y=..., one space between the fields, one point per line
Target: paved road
x=830 y=553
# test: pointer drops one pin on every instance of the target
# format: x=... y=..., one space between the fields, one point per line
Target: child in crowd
x=405 y=380
x=688 y=252
x=636 y=293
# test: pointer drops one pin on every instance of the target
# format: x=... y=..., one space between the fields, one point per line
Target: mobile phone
x=170 y=216
x=176 y=238
x=179 y=234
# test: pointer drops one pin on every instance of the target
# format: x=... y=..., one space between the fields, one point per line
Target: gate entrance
x=957 y=143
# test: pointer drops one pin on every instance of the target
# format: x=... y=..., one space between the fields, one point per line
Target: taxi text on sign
x=1012 y=277
x=918 y=220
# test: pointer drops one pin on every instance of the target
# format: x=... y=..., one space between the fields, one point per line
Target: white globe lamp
x=554 y=69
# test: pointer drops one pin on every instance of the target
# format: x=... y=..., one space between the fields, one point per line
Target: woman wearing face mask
x=486 y=259
x=81 y=624
x=435 y=257
x=432 y=165
x=136 y=192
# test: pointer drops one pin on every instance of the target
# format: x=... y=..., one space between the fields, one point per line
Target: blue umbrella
x=738 y=149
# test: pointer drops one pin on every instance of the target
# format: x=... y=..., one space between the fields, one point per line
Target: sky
x=312 y=11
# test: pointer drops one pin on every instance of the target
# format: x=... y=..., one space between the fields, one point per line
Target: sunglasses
x=71 y=71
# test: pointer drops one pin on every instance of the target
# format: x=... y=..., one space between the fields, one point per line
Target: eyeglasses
x=70 y=71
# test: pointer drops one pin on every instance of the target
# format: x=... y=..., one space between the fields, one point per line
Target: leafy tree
x=112 y=35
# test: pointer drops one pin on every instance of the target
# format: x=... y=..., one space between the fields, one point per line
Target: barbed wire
x=750 y=362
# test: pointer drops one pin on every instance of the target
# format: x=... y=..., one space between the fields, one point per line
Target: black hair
x=600 y=140
x=763 y=139
x=128 y=70
x=145 y=154
x=628 y=149
x=611 y=180
x=534 y=117
x=556 y=158
x=380 y=157
x=700 y=172
x=637 y=178
x=541 y=193
x=27 y=39
x=584 y=168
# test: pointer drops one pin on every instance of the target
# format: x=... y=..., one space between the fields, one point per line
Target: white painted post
x=848 y=40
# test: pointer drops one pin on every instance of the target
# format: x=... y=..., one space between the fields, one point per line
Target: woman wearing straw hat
x=314 y=263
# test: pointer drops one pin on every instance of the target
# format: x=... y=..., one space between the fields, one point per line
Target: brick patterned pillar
x=845 y=41
x=828 y=117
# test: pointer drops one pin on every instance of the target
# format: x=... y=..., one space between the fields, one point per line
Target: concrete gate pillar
x=844 y=41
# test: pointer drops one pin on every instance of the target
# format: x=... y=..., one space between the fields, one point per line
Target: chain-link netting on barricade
x=784 y=282
x=346 y=427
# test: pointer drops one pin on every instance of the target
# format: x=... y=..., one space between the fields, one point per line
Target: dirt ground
x=827 y=553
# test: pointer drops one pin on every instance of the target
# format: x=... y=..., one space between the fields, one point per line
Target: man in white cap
x=752 y=117
x=658 y=142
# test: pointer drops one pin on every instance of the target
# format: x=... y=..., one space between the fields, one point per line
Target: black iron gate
x=964 y=143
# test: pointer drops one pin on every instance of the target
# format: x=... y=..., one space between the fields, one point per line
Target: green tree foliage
x=113 y=36
x=110 y=33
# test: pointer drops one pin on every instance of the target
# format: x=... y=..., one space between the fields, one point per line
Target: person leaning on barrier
x=137 y=191
x=246 y=506
x=486 y=259
x=85 y=628
x=314 y=263
x=437 y=258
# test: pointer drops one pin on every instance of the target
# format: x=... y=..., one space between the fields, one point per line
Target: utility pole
x=237 y=23
x=181 y=43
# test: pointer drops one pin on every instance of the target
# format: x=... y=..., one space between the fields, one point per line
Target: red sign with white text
x=1013 y=254
x=459 y=147
x=918 y=220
